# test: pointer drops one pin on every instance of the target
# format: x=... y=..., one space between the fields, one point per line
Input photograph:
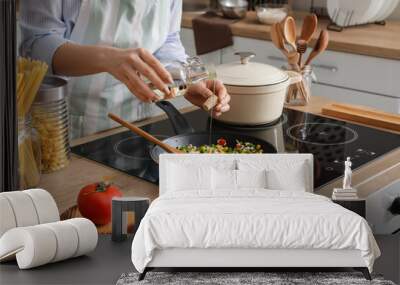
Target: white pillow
x=224 y=179
x=251 y=178
x=293 y=177
x=188 y=177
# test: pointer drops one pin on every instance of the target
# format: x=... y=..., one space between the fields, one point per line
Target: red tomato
x=221 y=141
x=94 y=202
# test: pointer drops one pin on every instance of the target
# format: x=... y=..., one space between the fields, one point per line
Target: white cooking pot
x=258 y=90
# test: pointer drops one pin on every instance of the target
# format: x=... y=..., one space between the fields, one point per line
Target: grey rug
x=243 y=278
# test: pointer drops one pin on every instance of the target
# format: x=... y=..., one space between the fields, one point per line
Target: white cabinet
x=264 y=50
x=343 y=77
x=364 y=73
x=345 y=95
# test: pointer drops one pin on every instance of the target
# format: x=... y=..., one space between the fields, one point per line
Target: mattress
x=250 y=219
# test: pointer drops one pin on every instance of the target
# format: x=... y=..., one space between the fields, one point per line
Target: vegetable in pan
x=222 y=147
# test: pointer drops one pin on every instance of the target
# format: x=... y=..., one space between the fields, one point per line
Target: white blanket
x=250 y=219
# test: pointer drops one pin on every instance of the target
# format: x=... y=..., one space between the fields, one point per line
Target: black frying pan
x=186 y=134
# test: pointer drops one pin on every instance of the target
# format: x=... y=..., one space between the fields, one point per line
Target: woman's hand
x=198 y=93
x=129 y=65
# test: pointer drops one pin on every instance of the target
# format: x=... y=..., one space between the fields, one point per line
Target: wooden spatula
x=289 y=32
x=277 y=38
x=320 y=46
x=310 y=23
x=143 y=134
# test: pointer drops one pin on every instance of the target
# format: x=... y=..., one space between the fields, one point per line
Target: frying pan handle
x=178 y=121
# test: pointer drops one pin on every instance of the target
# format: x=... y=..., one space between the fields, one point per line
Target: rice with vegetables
x=222 y=147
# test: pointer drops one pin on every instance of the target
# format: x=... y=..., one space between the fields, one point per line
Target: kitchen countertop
x=65 y=184
x=371 y=40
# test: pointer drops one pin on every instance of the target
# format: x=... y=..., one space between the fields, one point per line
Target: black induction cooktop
x=329 y=140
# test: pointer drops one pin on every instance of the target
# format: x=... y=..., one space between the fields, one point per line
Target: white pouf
x=34 y=246
x=40 y=244
x=23 y=208
x=31 y=230
x=66 y=237
x=46 y=207
x=26 y=208
x=87 y=234
x=6 y=216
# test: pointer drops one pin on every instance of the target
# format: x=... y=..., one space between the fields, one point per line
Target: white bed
x=247 y=211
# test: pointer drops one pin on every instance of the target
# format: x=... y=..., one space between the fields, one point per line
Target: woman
x=107 y=46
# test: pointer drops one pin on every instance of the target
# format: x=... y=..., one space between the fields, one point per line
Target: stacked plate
x=357 y=12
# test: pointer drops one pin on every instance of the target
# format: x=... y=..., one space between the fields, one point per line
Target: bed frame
x=249 y=259
x=242 y=259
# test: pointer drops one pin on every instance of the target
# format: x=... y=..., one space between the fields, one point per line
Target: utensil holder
x=299 y=94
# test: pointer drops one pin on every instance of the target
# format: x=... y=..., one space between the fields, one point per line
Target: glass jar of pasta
x=50 y=118
x=29 y=153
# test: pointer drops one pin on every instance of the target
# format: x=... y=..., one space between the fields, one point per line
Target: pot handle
x=245 y=56
x=178 y=121
x=294 y=77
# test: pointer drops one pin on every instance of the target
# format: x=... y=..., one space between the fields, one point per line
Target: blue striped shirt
x=47 y=24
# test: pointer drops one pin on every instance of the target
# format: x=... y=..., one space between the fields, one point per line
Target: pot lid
x=246 y=73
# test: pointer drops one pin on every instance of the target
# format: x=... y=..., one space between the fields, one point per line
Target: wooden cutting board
x=363 y=115
x=73 y=212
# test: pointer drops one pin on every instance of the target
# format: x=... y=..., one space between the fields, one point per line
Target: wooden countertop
x=371 y=40
x=65 y=184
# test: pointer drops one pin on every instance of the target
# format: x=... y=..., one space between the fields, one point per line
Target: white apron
x=122 y=24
